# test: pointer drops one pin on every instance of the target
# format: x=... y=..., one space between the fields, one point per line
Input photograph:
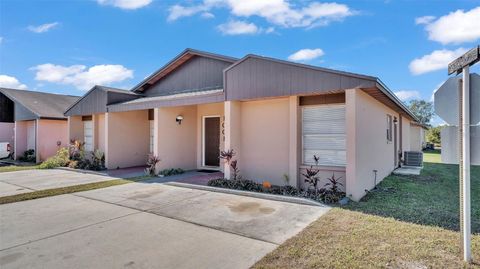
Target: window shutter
x=324 y=134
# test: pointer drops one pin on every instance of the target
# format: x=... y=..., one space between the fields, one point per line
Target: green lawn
x=409 y=222
x=432 y=156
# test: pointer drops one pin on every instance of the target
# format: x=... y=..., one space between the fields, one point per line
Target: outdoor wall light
x=179 y=119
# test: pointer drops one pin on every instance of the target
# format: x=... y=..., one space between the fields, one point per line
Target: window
x=323 y=134
x=389 y=128
x=151 y=135
x=88 y=135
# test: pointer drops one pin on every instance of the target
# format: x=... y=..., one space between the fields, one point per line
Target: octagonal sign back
x=446 y=100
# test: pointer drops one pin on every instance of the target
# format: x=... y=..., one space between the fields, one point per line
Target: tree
x=423 y=110
x=433 y=135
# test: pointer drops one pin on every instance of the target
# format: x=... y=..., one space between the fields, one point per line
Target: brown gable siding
x=198 y=73
x=258 y=77
x=93 y=102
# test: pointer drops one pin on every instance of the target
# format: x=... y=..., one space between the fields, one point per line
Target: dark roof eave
x=382 y=87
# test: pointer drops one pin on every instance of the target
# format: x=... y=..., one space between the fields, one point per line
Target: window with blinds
x=323 y=134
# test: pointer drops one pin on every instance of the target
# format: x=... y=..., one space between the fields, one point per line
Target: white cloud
x=11 y=82
x=277 y=12
x=438 y=59
x=457 y=27
x=424 y=19
x=207 y=15
x=407 y=95
x=306 y=54
x=238 y=28
x=80 y=76
x=1 y=39
x=42 y=28
x=125 y=4
x=177 y=11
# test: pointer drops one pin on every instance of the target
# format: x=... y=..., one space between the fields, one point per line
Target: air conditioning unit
x=413 y=158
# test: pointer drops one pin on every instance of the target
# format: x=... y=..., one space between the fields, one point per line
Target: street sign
x=467 y=59
x=446 y=100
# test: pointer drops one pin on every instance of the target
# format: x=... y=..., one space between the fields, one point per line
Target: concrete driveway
x=12 y=183
x=146 y=225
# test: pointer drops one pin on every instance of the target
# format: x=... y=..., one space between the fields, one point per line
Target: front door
x=211 y=141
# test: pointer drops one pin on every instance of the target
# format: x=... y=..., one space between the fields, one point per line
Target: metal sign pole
x=465 y=165
x=462 y=65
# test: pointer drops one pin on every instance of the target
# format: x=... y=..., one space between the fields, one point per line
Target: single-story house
x=34 y=120
x=275 y=114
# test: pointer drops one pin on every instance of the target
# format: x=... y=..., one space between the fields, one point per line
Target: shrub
x=320 y=195
x=61 y=159
x=171 y=172
x=28 y=156
x=76 y=150
x=98 y=160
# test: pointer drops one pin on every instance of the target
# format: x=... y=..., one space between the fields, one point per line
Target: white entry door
x=88 y=135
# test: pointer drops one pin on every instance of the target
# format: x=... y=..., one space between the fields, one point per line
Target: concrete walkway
x=146 y=225
x=17 y=182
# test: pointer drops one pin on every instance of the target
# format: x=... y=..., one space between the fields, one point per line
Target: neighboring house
x=34 y=120
x=275 y=114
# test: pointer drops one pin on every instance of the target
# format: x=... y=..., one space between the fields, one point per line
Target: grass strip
x=65 y=190
x=13 y=168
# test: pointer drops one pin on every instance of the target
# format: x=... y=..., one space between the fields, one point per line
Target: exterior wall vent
x=414 y=158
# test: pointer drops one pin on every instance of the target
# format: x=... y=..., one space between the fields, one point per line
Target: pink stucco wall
x=406 y=134
x=176 y=144
x=367 y=146
x=75 y=128
x=126 y=139
x=25 y=135
x=7 y=133
x=264 y=140
x=50 y=133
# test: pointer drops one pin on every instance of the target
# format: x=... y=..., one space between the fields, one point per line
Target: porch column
x=107 y=142
x=232 y=131
x=294 y=145
x=156 y=130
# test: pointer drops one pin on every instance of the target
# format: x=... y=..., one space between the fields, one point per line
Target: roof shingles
x=43 y=105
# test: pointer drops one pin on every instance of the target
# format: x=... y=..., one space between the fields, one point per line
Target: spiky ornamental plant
x=152 y=162
x=334 y=183
x=227 y=156
x=311 y=175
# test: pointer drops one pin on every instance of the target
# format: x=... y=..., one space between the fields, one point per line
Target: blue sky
x=68 y=46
